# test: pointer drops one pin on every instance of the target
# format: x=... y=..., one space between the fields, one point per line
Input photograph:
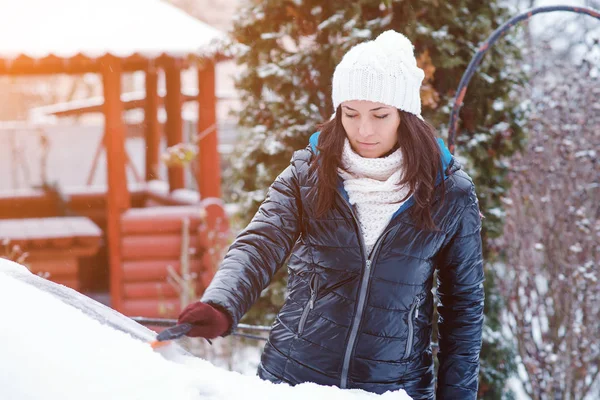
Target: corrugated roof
x=94 y=28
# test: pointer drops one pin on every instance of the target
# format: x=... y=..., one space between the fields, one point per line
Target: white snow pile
x=52 y=348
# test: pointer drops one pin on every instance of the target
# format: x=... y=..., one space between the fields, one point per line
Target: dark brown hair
x=421 y=158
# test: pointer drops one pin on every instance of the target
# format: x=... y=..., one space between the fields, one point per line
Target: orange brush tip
x=156 y=344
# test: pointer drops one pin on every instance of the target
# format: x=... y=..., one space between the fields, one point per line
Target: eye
x=351 y=116
x=381 y=116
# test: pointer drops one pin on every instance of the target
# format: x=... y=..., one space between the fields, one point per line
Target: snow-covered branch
x=551 y=238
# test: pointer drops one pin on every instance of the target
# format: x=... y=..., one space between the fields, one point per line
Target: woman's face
x=372 y=128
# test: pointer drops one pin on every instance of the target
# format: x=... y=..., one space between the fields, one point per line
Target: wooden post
x=174 y=125
x=209 y=164
x=118 y=199
x=151 y=125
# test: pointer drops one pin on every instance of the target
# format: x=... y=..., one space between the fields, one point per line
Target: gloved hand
x=208 y=321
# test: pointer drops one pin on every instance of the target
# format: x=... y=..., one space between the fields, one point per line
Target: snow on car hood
x=56 y=344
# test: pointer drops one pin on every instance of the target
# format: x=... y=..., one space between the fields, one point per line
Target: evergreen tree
x=290 y=49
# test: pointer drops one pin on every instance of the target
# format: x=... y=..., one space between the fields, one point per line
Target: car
x=58 y=344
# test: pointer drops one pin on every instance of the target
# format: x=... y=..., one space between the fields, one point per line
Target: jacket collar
x=449 y=166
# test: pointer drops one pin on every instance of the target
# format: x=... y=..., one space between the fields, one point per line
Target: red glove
x=208 y=321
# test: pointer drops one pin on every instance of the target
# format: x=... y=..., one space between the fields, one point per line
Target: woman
x=366 y=213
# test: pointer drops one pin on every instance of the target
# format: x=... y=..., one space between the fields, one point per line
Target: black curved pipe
x=483 y=48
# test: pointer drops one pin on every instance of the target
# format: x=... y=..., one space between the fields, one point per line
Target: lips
x=367 y=144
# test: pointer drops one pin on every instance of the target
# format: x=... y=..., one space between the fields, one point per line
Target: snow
x=514 y=384
x=159 y=187
x=334 y=19
x=270 y=70
x=440 y=34
x=94 y=28
x=186 y=196
x=576 y=248
x=57 y=344
x=316 y=10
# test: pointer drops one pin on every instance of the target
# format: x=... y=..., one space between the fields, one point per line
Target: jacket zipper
x=310 y=304
x=361 y=296
x=412 y=314
x=364 y=283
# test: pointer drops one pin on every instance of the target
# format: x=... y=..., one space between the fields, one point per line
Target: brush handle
x=174 y=332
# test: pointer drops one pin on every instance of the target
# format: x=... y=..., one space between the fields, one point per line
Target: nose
x=365 y=129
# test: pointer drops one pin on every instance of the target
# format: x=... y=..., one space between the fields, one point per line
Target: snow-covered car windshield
x=57 y=344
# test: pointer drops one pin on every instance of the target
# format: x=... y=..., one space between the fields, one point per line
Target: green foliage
x=290 y=49
x=498 y=356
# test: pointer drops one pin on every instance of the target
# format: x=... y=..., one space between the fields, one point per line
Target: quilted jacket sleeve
x=259 y=250
x=461 y=295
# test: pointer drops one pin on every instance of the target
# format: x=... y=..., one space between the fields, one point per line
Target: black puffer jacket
x=358 y=323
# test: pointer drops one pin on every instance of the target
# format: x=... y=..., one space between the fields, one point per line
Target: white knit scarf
x=372 y=186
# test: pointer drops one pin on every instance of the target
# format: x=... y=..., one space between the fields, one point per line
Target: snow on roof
x=55 y=349
x=94 y=28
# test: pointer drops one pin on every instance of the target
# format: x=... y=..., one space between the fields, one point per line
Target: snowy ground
x=56 y=344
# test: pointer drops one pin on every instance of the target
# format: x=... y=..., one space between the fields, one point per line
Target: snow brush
x=172 y=324
x=172 y=333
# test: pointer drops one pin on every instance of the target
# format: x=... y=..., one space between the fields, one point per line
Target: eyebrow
x=373 y=109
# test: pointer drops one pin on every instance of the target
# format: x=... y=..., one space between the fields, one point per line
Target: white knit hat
x=383 y=70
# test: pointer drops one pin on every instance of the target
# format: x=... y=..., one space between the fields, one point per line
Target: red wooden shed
x=111 y=37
